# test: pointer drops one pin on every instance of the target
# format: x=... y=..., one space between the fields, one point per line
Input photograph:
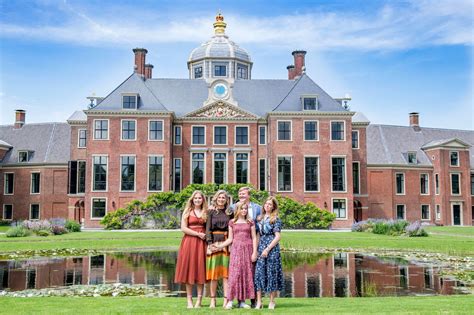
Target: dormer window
x=23 y=156
x=242 y=72
x=198 y=72
x=411 y=157
x=129 y=101
x=310 y=103
x=220 y=70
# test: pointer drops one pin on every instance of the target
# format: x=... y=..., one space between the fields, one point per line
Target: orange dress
x=191 y=264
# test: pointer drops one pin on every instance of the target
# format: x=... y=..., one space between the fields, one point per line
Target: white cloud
x=393 y=27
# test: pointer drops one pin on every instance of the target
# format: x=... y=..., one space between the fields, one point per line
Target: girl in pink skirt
x=244 y=251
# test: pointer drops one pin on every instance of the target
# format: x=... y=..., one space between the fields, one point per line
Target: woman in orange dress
x=191 y=264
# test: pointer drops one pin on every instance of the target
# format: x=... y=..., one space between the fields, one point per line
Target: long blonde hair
x=227 y=209
x=274 y=213
x=238 y=208
x=190 y=205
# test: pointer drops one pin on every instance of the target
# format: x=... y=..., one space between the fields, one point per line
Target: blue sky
x=392 y=57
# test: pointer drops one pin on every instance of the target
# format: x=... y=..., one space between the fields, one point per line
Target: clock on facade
x=220 y=90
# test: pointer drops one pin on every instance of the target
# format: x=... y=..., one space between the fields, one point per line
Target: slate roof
x=78 y=115
x=182 y=96
x=389 y=144
x=48 y=142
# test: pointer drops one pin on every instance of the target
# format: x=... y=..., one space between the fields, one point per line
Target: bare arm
x=188 y=231
x=254 y=244
x=208 y=228
x=272 y=244
x=228 y=241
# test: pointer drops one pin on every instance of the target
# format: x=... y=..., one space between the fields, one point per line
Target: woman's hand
x=201 y=235
x=265 y=253
x=254 y=257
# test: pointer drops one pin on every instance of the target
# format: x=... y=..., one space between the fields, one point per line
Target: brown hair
x=227 y=209
x=238 y=208
x=248 y=189
x=190 y=205
x=274 y=213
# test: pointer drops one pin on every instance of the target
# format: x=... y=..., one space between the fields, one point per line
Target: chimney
x=140 y=54
x=20 y=116
x=299 y=62
x=415 y=121
x=291 y=72
x=148 y=71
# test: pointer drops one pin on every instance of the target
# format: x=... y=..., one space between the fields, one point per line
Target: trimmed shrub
x=18 y=231
x=5 y=222
x=72 y=226
x=43 y=232
x=58 y=230
x=295 y=215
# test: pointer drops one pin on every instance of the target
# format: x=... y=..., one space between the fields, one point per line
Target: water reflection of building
x=341 y=275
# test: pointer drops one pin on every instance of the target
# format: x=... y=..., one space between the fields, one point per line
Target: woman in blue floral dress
x=268 y=271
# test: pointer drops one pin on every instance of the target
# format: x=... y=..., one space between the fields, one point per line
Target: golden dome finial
x=219 y=25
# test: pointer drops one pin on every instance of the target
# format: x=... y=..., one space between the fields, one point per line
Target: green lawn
x=443 y=240
x=4 y=228
x=140 y=305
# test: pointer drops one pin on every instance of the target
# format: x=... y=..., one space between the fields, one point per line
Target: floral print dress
x=268 y=271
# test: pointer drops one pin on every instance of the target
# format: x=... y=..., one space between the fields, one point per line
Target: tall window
x=81 y=177
x=101 y=129
x=7 y=212
x=34 y=212
x=9 y=183
x=129 y=101
x=337 y=130
x=310 y=130
x=241 y=135
x=198 y=168
x=424 y=184
x=241 y=168
x=82 y=138
x=400 y=183
x=310 y=103
x=356 y=177
x=262 y=135
x=472 y=184
x=311 y=174
x=455 y=184
x=438 y=212
x=242 y=72
x=35 y=183
x=284 y=173
x=220 y=135
x=454 y=158
x=177 y=135
x=155 y=130
x=198 y=72
x=100 y=173
x=425 y=212
x=177 y=175
x=127 y=173
x=338 y=174
x=400 y=212
x=220 y=70
x=355 y=139
x=284 y=130
x=220 y=166
x=339 y=208
x=155 y=173
x=437 y=184
x=128 y=129
x=99 y=208
x=262 y=173
x=198 y=135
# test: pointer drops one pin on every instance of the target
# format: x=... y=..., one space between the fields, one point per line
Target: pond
x=305 y=274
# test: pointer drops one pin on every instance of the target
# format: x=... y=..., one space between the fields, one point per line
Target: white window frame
x=358 y=139
x=5 y=182
x=427 y=184
x=461 y=209
x=174 y=134
x=136 y=100
x=291 y=169
x=108 y=130
x=408 y=158
x=135 y=175
x=235 y=165
x=347 y=208
x=318 y=275
x=3 y=212
x=404 y=211
x=470 y=182
x=303 y=97
x=429 y=212
x=92 y=173
x=304 y=174
x=438 y=212
x=79 y=138
x=27 y=156
x=31 y=183
x=181 y=175
x=459 y=162
x=191 y=167
x=92 y=208
x=358 y=168
x=192 y=135
x=291 y=130
x=330 y=131
x=198 y=65
x=121 y=129
x=265 y=173
x=39 y=212
x=451 y=183
x=404 y=184
x=148 y=172
x=248 y=135
x=214 y=136
x=345 y=173
x=149 y=130
x=77 y=177
x=226 y=175
x=223 y=63
x=259 y=134
x=317 y=130
x=437 y=184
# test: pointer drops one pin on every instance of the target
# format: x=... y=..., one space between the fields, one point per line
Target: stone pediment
x=453 y=143
x=221 y=110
